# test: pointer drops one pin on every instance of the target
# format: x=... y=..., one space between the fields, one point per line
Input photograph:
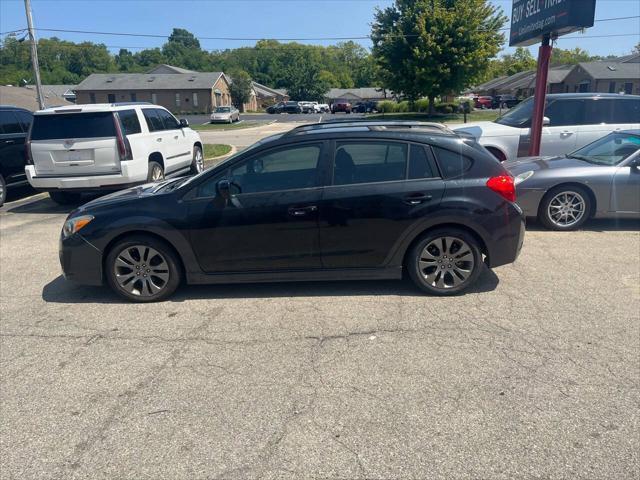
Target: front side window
x=73 y=125
x=368 y=162
x=129 y=122
x=519 y=116
x=169 y=121
x=609 y=150
x=285 y=169
x=9 y=123
x=153 y=120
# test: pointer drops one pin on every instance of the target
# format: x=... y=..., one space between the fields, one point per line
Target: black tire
x=65 y=198
x=3 y=190
x=153 y=166
x=129 y=244
x=452 y=283
x=197 y=165
x=544 y=215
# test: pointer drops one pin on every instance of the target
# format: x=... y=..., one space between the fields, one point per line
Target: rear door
x=379 y=188
x=12 y=138
x=74 y=144
x=606 y=115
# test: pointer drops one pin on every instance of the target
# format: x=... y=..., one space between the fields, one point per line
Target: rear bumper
x=81 y=262
x=132 y=173
x=509 y=238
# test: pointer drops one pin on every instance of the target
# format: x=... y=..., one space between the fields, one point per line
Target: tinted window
x=285 y=169
x=73 y=125
x=153 y=121
x=519 y=116
x=419 y=164
x=129 y=121
x=609 y=150
x=168 y=120
x=369 y=162
x=9 y=122
x=565 y=112
x=452 y=164
x=600 y=111
x=25 y=119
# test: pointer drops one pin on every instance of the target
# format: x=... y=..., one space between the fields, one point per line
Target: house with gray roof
x=606 y=76
x=353 y=95
x=176 y=89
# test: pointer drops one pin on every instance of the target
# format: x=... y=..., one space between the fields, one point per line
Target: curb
x=233 y=151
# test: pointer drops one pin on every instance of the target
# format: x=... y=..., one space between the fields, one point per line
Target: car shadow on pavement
x=61 y=291
x=40 y=205
x=593 y=225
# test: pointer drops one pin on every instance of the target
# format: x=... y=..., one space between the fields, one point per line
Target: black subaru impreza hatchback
x=332 y=201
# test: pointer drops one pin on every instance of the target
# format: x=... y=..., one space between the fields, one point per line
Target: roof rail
x=382 y=124
x=124 y=104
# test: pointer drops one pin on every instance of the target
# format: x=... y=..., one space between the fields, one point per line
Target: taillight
x=28 y=156
x=504 y=186
x=124 y=147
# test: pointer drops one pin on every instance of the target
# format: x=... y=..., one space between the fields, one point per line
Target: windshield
x=519 y=115
x=223 y=109
x=609 y=150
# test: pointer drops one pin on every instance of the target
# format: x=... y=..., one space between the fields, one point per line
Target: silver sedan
x=225 y=114
x=601 y=179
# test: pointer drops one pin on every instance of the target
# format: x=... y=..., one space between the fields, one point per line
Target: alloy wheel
x=141 y=270
x=157 y=173
x=446 y=262
x=199 y=160
x=566 y=209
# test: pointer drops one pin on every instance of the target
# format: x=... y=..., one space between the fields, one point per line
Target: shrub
x=403 y=107
x=386 y=106
x=446 y=108
x=422 y=105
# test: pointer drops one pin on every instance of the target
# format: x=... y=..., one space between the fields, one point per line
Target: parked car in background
x=285 y=107
x=571 y=121
x=341 y=106
x=356 y=201
x=14 y=126
x=308 y=107
x=322 y=108
x=601 y=179
x=482 y=102
x=365 y=107
x=504 y=101
x=227 y=114
x=102 y=147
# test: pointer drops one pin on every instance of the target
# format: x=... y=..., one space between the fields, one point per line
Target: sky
x=265 y=19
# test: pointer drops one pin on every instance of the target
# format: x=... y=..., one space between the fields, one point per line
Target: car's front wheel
x=565 y=208
x=197 y=164
x=445 y=262
x=142 y=269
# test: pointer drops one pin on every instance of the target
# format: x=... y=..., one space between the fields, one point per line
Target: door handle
x=176 y=137
x=566 y=133
x=302 y=211
x=9 y=141
x=158 y=139
x=417 y=198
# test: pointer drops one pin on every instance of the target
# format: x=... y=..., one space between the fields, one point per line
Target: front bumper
x=131 y=174
x=81 y=262
x=220 y=119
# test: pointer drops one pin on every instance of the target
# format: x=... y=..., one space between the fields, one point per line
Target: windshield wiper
x=581 y=157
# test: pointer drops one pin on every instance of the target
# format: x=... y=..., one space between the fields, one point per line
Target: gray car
x=601 y=179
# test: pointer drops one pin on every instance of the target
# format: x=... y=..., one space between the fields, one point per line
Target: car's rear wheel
x=142 y=269
x=197 y=165
x=156 y=172
x=445 y=262
x=65 y=198
x=3 y=190
x=565 y=208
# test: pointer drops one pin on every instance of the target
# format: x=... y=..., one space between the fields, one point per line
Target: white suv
x=572 y=120
x=82 y=148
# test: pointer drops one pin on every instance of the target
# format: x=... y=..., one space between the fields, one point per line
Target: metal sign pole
x=540 y=95
x=34 y=54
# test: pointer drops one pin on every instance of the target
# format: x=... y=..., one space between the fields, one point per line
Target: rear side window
x=368 y=162
x=73 y=125
x=419 y=164
x=25 y=119
x=9 y=123
x=129 y=121
x=153 y=121
x=566 y=112
x=452 y=164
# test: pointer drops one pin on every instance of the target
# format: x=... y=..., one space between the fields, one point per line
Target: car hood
x=485 y=129
x=526 y=164
x=129 y=194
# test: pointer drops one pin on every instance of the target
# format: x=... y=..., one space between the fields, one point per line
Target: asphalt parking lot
x=534 y=374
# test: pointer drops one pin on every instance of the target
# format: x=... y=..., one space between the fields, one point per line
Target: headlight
x=74 y=224
x=522 y=177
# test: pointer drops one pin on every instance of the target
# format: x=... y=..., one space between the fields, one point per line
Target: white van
x=80 y=148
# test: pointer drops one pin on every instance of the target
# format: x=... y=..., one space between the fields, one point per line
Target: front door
x=178 y=150
x=12 y=139
x=373 y=199
x=270 y=222
x=625 y=191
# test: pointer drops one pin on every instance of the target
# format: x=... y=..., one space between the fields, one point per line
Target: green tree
x=571 y=57
x=520 y=61
x=183 y=37
x=240 y=88
x=302 y=75
x=636 y=49
x=426 y=48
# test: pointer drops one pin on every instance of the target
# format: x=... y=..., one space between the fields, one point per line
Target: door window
x=129 y=121
x=9 y=123
x=419 y=164
x=25 y=119
x=452 y=164
x=153 y=120
x=626 y=110
x=565 y=112
x=285 y=169
x=168 y=120
x=601 y=111
x=369 y=162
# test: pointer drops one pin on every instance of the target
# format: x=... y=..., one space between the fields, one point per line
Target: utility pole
x=34 y=54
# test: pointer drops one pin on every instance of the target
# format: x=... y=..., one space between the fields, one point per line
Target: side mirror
x=224 y=189
x=546 y=121
x=184 y=123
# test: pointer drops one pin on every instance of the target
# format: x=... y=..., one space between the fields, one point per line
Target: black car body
x=365 y=107
x=504 y=101
x=285 y=107
x=14 y=127
x=370 y=193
